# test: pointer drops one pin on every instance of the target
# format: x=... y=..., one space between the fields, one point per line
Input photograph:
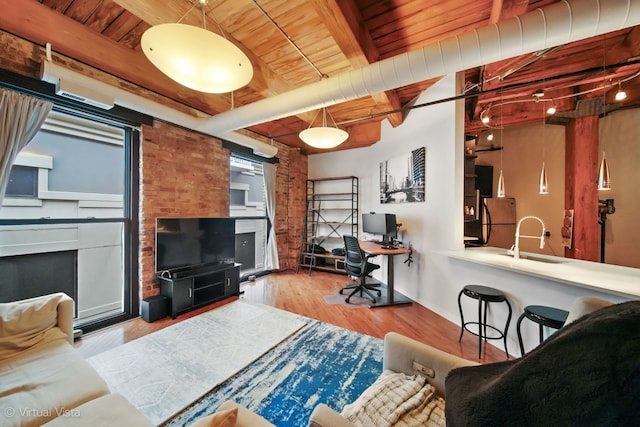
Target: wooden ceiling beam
x=346 y=26
x=40 y=24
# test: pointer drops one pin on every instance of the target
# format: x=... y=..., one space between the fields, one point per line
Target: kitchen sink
x=538 y=259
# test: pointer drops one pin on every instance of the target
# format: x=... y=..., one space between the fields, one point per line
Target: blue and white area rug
x=321 y=363
x=166 y=371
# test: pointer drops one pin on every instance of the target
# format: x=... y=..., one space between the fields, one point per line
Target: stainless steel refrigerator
x=498 y=218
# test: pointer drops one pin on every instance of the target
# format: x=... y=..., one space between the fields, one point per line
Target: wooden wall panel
x=581 y=194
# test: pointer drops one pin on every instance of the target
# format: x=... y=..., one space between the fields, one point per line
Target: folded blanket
x=587 y=373
x=397 y=399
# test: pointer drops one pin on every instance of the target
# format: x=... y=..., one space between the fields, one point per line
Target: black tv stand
x=191 y=287
x=181 y=272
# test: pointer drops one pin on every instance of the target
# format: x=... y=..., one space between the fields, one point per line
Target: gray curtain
x=272 y=261
x=21 y=117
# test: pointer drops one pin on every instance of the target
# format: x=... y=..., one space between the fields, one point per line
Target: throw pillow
x=224 y=418
x=23 y=324
x=397 y=399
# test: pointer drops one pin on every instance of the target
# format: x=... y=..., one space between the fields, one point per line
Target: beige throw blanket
x=397 y=399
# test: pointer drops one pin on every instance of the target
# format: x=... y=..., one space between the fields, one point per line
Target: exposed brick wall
x=291 y=194
x=186 y=174
x=183 y=173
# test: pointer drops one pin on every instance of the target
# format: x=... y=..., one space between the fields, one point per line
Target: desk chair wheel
x=348 y=299
x=373 y=287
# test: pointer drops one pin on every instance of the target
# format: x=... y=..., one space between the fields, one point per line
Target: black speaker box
x=154 y=308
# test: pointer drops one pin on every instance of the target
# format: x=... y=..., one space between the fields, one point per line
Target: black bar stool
x=543 y=316
x=484 y=294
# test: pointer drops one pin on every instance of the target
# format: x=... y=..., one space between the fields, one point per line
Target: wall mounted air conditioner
x=85 y=95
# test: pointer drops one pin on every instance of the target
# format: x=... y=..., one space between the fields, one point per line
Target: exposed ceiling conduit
x=553 y=25
x=550 y=26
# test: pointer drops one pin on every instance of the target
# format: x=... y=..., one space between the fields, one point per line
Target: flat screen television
x=380 y=224
x=192 y=242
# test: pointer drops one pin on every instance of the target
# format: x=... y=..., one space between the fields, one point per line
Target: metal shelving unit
x=332 y=211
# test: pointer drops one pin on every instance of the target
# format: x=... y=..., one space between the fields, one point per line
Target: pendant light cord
x=288 y=39
x=186 y=13
x=604 y=78
x=501 y=132
x=544 y=119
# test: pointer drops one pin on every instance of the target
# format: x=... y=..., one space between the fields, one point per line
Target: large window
x=65 y=223
x=247 y=205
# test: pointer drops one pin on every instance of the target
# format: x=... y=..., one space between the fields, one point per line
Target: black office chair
x=356 y=264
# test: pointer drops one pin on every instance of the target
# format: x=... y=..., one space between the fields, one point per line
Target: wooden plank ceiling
x=336 y=36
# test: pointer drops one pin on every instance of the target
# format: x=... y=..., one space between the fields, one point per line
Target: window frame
x=245 y=153
x=130 y=121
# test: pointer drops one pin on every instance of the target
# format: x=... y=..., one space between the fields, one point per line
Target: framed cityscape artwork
x=402 y=178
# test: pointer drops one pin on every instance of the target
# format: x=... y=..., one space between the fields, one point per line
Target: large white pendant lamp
x=323 y=136
x=197 y=58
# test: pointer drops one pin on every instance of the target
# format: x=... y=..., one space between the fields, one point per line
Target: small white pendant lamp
x=501 y=192
x=323 y=136
x=543 y=187
x=604 y=182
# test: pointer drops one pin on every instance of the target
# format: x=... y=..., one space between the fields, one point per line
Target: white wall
x=428 y=225
x=436 y=225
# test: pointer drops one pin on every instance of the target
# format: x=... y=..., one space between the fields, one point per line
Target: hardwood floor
x=303 y=294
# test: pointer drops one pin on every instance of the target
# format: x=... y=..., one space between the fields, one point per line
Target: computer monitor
x=380 y=224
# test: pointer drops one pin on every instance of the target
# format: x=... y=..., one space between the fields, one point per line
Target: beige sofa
x=43 y=379
x=402 y=354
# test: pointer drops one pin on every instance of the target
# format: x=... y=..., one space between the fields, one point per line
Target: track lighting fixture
x=552 y=110
x=620 y=95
